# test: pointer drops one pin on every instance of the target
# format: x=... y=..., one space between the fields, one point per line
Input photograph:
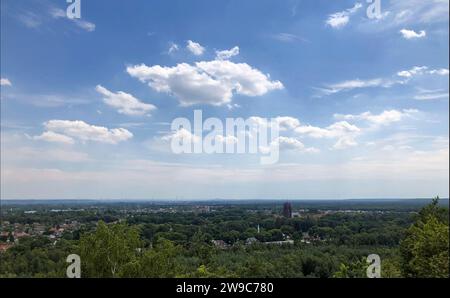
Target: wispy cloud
x=58 y=13
x=384 y=118
x=173 y=47
x=227 y=54
x=125 y=103
x=30 y=19
x=402 y=77
x=288 y=37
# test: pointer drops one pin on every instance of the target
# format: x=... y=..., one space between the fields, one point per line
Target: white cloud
x=340 y=19
x=138 y=177
x=240 y=77
x=88 y=26
x=182 y=135
x=30 y=19
x=5 y=82
x=431 y=96
x=411 y=34
x=289 y=143
x=343 y=131
x=207 y=82
x=50 y=136
x=416 y=70
x=227 y=54
x=398 y=14
x=441 y=72
x=405 y=75
x=232 y=106
x=287 y=123
x=421 y=70
x=195 y=48
x=124 y=103
x=226 y=139
x=345 y=142
x=384 y=118
x=58 y=13
x=355 y=84
x=337 y=129
x=82 y=131
x=287 y=37
x=173 y=48
x=418 y=11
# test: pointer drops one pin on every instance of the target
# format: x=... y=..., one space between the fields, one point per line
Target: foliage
x=425 y=250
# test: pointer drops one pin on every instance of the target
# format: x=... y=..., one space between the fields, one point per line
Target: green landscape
x=218 y=238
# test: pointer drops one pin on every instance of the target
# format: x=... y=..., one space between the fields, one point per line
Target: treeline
x=179 y=245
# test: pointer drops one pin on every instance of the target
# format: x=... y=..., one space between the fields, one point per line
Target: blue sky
x=86 y=104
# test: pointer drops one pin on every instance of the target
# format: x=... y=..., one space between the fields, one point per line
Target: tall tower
x=287 y=210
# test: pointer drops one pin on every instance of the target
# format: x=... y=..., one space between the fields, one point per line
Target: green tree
x=425 y=249
x=161 y=261
x=107 y=251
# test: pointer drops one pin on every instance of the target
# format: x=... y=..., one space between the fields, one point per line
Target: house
x=280 y=242
x=251 y=240
x=4 y=247
x=18 y=235
x=220 y=244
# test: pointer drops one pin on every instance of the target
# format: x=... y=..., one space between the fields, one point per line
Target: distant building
x=279 y=242
x=219 y=244
x=251 y=241
x=4 y=247
x=287 y=210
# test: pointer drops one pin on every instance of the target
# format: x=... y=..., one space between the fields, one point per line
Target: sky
x=87 y=103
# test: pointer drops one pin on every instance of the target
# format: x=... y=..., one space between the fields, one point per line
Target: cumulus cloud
x=182 y=135
x=343 y=131
x=227 y=54
x=340 y=19
x=416 y=70
x=411 y=34
x=289 y=143
x=50 y=136
x=195 y=48
x=5 y=82
x=67 y=131
x=287 y=123
x=337 y=129
x=345 y=142
x=441 y=72
x=207 y=82
x=124 y=103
